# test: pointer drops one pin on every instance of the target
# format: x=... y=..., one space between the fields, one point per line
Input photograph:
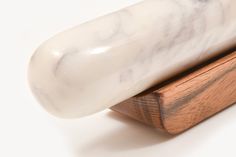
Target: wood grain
x=186 y=101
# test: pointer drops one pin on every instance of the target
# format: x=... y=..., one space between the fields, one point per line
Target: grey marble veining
x=100 y=63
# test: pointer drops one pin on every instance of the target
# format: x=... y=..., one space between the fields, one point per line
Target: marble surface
x=100 y=63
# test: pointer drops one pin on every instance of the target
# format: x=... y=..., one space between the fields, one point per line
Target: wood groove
x=186 y=101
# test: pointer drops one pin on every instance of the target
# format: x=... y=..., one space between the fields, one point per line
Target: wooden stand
x=184 y=101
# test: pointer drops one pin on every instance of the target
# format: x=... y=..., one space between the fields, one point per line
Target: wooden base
x=180 y=103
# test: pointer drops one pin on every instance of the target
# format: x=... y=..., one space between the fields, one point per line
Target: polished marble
x=100 y=63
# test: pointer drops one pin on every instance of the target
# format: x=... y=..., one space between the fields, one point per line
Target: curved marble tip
x=100 y=63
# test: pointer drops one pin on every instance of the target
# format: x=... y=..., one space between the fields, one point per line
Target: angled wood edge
x=144 y=109
x=186 y=101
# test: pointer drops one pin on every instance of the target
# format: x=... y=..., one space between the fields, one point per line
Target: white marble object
x=100 y=63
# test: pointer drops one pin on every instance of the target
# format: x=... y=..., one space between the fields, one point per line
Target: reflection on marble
x=103 y=62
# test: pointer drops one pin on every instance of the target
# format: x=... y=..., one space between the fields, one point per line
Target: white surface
x=101 y=63
x=26 y=130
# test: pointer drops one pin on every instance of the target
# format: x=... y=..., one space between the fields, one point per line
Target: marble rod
x=100 y=63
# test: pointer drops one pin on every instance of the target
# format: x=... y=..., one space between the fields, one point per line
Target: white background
x=26 y=130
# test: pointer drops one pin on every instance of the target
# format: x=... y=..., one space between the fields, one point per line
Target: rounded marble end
x=98 y=64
